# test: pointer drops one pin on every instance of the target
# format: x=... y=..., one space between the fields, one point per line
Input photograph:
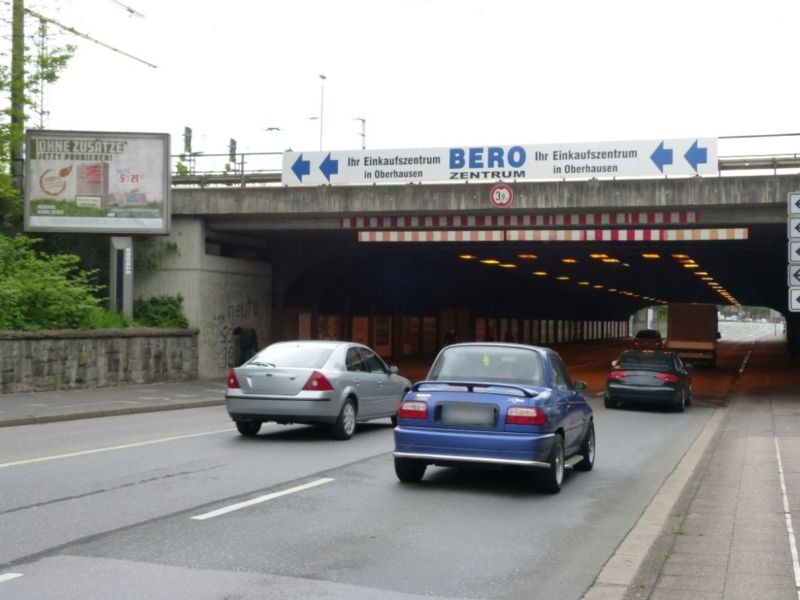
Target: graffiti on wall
x=217 y=331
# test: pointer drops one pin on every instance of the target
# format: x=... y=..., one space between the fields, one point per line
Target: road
x=124 y=507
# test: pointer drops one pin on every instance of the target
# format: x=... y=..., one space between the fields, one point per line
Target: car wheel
x=409 y=470
x=394 y=420
x=345 y=425
x=587 y=451
x=680 y=406
x=550 y=479
x=248 y=428
x=609 y=403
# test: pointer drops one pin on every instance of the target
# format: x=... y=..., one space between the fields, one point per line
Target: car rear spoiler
x=471 y=385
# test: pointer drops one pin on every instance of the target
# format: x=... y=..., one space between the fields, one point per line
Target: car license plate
x=468 y=414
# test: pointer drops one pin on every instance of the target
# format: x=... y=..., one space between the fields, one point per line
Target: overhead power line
x=74 y=31
x=130 y=10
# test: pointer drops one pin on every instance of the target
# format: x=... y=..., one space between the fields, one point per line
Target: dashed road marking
x=240 y=505
x=9 y=577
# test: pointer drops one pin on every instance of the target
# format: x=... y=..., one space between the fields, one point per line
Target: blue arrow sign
x=661 y=157
x=696 y=155
x=329 y=167
x=301 y=167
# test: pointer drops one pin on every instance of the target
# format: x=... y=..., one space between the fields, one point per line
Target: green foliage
x=40 y=291
x=150 y=253
x=160 y=311
x=42 y=65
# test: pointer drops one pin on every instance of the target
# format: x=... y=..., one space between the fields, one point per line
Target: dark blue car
x=496 y=405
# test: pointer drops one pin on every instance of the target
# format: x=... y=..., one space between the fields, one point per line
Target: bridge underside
x=331 y=271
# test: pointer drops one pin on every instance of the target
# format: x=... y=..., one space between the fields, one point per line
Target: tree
x=24 y=80
x=44 y=291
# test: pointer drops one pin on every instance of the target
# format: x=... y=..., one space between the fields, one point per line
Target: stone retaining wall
x=69 y=359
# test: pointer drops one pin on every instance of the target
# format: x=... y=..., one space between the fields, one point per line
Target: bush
x=160 y=311
x=40 y=291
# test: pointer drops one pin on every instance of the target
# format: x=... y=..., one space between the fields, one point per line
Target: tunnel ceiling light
x=598 y=286
x=490 y=261
x=508 y=266
x=701 y=273
x=651 y=255
x=467 y=257
x=562 y=278
x=569 y=261
x=540 y=273
x=583 y=283
x=612 y=289
x=611 y=261
x=598 y=255
x=527 y=256
x=680 y=256
x=691 y=266
x=706 y=278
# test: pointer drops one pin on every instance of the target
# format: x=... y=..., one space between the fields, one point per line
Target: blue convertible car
x=491 y=404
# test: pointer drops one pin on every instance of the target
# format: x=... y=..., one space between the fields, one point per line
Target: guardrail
x=243 y=177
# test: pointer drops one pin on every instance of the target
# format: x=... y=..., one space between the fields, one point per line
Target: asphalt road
x=123 y=507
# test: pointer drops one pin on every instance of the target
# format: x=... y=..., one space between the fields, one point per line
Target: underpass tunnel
x=330 y=272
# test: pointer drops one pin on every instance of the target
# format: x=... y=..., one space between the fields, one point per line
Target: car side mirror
x=580 y=386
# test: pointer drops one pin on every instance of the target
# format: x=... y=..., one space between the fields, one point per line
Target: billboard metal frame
x=97 y=182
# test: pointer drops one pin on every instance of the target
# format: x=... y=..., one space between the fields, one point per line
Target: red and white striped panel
x=431 y=236
x=558 y=220
x=628 y=235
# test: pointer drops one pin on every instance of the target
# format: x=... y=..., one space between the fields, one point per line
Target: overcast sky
x=432 y=73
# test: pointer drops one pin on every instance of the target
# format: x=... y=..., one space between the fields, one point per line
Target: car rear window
x=306 y=356
x=647 y=361
x=648 y=334
x=488 y=363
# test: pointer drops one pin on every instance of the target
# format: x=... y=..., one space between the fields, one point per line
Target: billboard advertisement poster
x=102 y=182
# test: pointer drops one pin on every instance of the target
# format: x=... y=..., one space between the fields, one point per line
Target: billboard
x=102 y=182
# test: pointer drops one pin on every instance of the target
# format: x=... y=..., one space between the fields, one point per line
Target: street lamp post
x=363 y=133
x=321 y=107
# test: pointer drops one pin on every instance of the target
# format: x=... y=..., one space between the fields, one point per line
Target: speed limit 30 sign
x=501 y=195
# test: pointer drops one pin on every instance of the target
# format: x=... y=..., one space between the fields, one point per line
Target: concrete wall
x=219 y=293
x=71 y=359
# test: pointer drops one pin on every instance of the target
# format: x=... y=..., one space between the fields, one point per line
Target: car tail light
x=668 y=377
x=233 y=382
x=636 y=343
x=318 y=383
x=519 y=415
x=614 y=375
x=413 y=409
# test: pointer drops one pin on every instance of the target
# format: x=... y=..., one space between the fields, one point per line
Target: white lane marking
x=789 y=527
x=260 y=499
x=744 y=362
x=9 y=577
x=111 y=448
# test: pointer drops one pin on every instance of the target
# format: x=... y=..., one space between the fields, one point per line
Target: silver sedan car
x=316 y=382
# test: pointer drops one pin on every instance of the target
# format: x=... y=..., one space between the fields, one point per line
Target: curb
x=111 y=412
x=614 y=580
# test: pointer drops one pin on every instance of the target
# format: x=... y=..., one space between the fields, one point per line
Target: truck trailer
x=693 y=332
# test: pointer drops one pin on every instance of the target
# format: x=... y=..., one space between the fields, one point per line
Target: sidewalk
x=46 y=407
x=723 y=525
